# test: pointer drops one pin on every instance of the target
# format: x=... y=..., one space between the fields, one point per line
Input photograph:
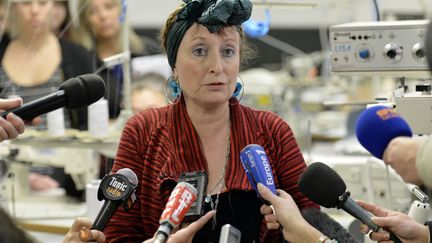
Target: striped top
x=159 y=144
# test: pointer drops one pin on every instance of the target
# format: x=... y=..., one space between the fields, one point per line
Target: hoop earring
x=173 y=90
x=238 y=92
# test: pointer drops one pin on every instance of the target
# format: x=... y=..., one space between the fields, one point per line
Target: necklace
x=219 y=184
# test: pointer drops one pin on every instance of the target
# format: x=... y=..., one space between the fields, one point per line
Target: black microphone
x=74 y=93
x=115 y=189
x=324 y=186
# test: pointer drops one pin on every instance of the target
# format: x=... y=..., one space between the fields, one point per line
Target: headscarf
x=213 y=14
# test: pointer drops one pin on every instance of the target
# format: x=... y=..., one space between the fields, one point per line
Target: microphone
x=257 y=167
x=179 y=202
x=324 y=186
x=377 y=126
x=116 y=189
x=74 y=93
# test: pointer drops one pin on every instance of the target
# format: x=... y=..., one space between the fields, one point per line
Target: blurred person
x=10 y=232
x=204 y=129
x=148 y=92
x=3 y=6
x=47 y=61
x=101 y=31
x=410 y=158
x=4 y=36
x=60 y=18
x=33 y=41
x=404 y=227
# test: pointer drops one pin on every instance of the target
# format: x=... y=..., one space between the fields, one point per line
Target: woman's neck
x=208 y=121
x=107 y=47
x=35 y=40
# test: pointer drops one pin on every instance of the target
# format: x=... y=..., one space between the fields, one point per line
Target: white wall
x=147 y=13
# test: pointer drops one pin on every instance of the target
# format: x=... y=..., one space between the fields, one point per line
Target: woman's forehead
x=200 y=31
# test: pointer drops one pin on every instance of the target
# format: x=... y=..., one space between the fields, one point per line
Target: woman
x=35 y=63
x=205 y=131
x=100 y=30
x=47 y=61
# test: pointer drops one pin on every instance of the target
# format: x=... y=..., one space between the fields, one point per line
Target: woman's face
x=33 y=15
x=207 y=64
x=103 y=17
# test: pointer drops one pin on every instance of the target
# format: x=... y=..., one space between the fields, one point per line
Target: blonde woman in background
x=34 y=64
x=100 y=30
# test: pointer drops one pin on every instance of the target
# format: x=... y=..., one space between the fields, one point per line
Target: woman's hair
x=83 y=34
x=246 y=51
x=67 y=17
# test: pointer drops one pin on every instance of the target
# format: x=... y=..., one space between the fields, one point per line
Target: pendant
x=207 y=199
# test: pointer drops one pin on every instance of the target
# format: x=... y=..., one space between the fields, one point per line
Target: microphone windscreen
x=83 y=90
x=132 y=177
x=377 y=126
x=322 y=184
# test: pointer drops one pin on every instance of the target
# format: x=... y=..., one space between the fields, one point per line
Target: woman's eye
x=228 y=52
x=199 y=51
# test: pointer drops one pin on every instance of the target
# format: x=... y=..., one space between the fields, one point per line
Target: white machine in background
x=367 y=181
x=395 y=49
x=81 y=163
x=389 y=48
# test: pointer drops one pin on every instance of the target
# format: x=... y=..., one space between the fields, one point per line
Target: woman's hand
x=408 y=230
x=12 y=126
x=295 y=227
x=186 y=235
x=80 y=232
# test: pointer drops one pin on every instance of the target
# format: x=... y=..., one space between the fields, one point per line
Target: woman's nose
x=216 y=65
x=35 y=5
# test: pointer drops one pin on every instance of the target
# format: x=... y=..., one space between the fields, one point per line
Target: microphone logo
x=179 y=202
x=115 y=187
x=387 y=113
x=257 y=167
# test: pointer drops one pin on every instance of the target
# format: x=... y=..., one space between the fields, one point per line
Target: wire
x=389 y=188
x=278 y=44
x=377 y=12
x=324 y=40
